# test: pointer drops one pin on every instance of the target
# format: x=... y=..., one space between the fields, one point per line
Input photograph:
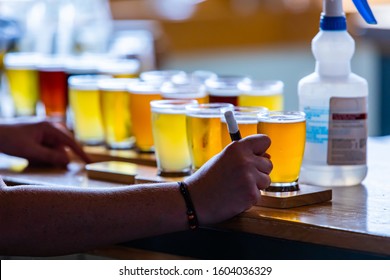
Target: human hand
x=229 y=183
x=41 y=143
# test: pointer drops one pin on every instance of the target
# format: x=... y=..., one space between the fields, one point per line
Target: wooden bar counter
x=355 y=224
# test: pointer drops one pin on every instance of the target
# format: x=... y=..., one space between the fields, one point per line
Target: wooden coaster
x=306 y=195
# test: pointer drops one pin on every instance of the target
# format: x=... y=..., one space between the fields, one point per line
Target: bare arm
x=37 y=220
x=40 y=220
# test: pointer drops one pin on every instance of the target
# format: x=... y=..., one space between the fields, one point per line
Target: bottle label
x=316 y=124
x=347 y=136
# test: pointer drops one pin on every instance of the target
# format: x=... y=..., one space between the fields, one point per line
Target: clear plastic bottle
x=335 y=102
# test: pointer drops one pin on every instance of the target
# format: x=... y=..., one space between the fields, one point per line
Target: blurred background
x=264 y=39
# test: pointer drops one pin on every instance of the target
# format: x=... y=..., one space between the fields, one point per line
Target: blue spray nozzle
x=365 y=11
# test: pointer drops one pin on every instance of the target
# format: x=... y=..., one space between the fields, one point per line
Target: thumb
x=257 y=144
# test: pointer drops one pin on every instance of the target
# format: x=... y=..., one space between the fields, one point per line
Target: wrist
x=192 y=217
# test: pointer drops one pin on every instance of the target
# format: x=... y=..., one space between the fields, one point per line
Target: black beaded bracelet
x=191 y=214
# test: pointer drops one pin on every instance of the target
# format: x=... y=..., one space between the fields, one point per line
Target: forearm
x=38 y=220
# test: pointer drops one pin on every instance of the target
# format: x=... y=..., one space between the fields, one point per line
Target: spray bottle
x=335 y=102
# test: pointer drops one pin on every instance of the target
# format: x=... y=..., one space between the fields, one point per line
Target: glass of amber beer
x=170 y=136
x=115 y=109
x=204 y=131
x=53 y=87
x=141 y=93
x=84 y=99
x=246 y=117
x=287 y=131
x=268 y=94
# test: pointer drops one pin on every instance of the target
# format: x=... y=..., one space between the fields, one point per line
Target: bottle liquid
x=335 y=102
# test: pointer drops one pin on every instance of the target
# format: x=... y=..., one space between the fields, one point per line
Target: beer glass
x=84 y=98
x=21 y=73
x=80 y=65
x=187 y=90
x=204 y=131
x=224 y=88
x=115 y=109
x=287 y=131
x=170 y=137
x=53 y=87
x=246 y=118
x=268 y=94
x=141 y=93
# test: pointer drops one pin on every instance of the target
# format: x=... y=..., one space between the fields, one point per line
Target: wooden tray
x=126 y=173
x=101 y=153
x=138 y=174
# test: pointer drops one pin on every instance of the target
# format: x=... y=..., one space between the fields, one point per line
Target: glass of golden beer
x=84 y=98
x=115 y=109
x=246 y=117
x=287 y=131
x=141 y=93
x=170 y=137
x=224 y=88
x=204 y=131
x=186 y=90
x=268 y=94
x=22 y=77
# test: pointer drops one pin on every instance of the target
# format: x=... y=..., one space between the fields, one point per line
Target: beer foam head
x=115 y=84
x=119 y=66
x=85 y=82
x=261 y=87
x=85 y=64
x=207 y=110
x=282 y=116
x=22 y=60
x=244 y=114
x=183 y=90
x=224 y=85
x=52 y=63
x=160 y=76
x=144 y=87
x=201 y=76
x=176 y=106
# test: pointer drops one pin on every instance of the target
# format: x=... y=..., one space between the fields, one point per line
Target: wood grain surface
x=357 y=218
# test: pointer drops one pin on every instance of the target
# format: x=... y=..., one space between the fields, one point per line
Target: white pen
x=232 y=125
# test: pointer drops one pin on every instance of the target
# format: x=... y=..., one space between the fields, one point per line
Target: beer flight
x=178 y=116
